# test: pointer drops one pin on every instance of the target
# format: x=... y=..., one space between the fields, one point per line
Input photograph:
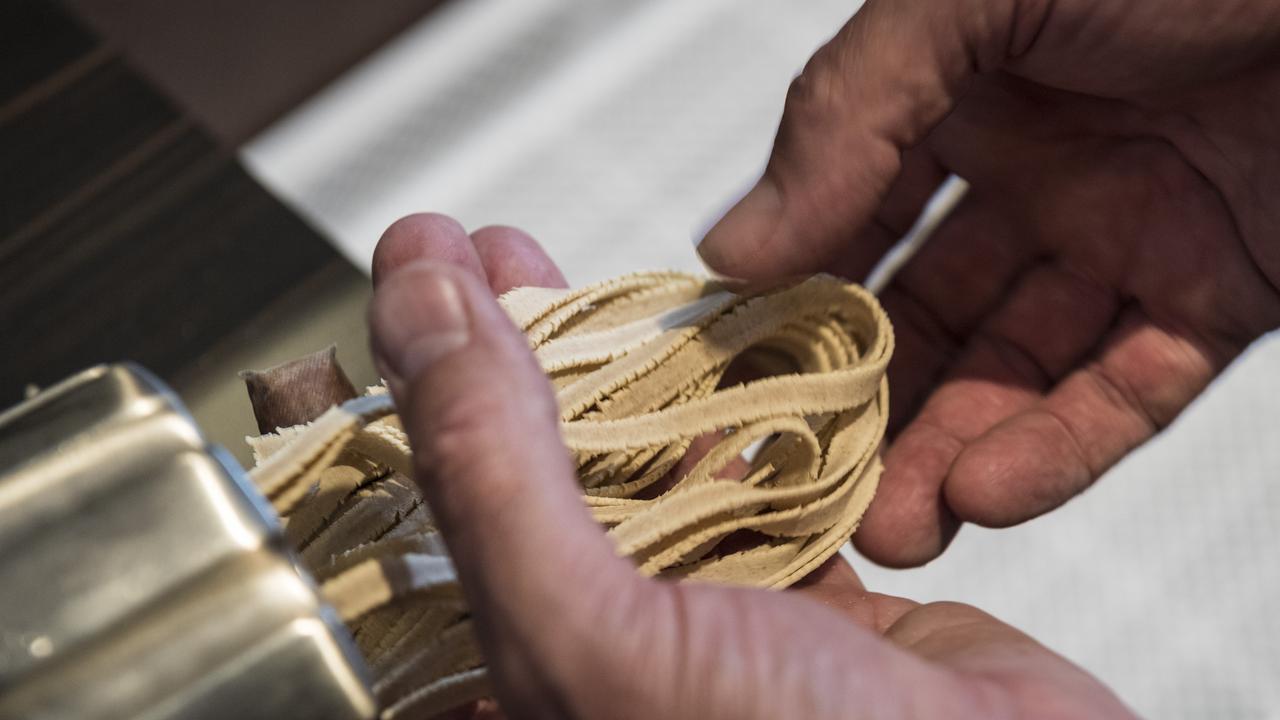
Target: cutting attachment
x=142 y=576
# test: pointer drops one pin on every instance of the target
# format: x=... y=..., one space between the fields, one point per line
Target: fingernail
x=700 y=233
x=740 y=232
x=418 y=317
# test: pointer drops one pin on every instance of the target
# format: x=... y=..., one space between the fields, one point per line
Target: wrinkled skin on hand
x=1119 y=246
x=571 y=630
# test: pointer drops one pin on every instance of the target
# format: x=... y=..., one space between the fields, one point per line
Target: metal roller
x=142 y=575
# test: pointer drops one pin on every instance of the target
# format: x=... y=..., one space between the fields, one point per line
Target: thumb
x=876 y=89
x=484 y=428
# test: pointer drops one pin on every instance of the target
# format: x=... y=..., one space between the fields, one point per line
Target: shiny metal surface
x=142 y=577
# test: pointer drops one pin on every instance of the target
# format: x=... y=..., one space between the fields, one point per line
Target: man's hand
x=568 y=628
x=1117 y=250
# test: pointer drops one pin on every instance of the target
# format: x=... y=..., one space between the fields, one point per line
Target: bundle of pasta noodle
x=639 y=367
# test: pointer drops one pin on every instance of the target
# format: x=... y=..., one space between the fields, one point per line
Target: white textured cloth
x=1162 y=579
x=613 y=129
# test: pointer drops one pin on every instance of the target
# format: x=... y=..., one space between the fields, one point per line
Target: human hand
x=568 y=628
x=505 y=258
x=1116 y=251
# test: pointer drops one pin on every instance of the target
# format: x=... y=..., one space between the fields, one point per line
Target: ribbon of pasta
x=639 y=365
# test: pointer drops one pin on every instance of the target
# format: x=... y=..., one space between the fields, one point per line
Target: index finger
x=875 y=90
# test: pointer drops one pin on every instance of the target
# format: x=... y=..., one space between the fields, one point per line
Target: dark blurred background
x=128 y=228
x=238 y=65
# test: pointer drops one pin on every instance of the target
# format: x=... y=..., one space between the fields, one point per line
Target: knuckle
x=816 y=90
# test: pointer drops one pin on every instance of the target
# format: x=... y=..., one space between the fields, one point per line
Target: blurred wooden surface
x=237 y=65
x=126 y=230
